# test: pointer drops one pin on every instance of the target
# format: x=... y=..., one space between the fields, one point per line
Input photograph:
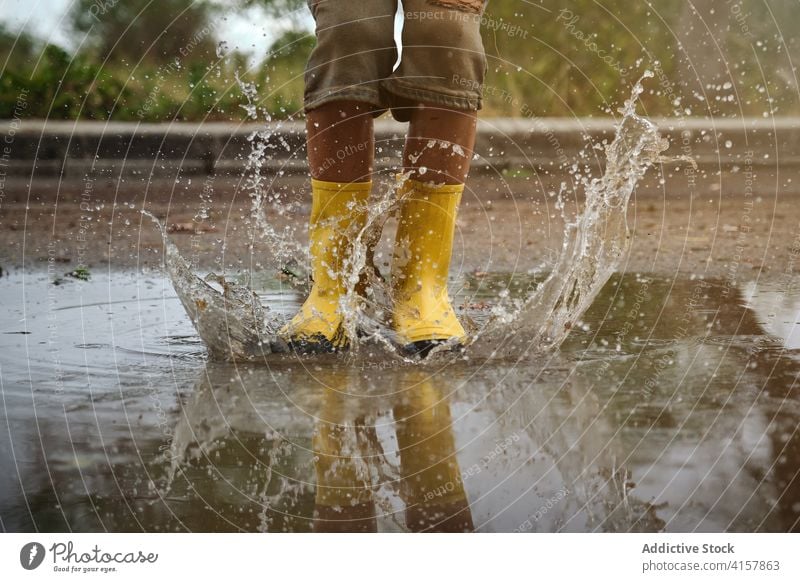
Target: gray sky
x=249 y=31
x=44 y=18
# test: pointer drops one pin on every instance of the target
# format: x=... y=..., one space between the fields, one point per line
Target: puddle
x=583 y=401
x=672 y=405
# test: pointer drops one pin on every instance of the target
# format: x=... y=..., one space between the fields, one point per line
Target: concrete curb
x=72 y=150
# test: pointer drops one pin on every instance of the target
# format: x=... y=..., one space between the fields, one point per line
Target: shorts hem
x=345 y=93
x=408 y=91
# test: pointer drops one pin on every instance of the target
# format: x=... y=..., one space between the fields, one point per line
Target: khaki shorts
x=442 y=62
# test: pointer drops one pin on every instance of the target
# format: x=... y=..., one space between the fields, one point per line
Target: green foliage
x=60 y=87
x=283 y=72
x=580 y=57
x=19 y=48
x=56 y=85
x=149 y=31
x=81 y=274
x=155 y=60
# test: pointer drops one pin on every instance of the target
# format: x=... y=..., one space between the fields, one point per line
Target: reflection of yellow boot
x=338 y=212
x=423 y=315
x=344 y=492
x=432 y=482
x=343 y=499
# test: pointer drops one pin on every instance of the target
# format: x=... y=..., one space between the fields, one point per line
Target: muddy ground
x=505 y=224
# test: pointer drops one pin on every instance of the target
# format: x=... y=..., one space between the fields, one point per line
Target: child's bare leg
x=440 y=140
x=340 y=141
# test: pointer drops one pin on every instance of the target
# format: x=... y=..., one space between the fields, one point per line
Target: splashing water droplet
x=592 y=249
x=234 y=324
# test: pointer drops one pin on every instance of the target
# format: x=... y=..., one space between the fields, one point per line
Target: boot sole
x=422 y=349
x=315 y=345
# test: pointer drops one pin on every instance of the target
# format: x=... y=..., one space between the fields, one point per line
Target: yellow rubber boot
x=338 y=212
x=423 y=315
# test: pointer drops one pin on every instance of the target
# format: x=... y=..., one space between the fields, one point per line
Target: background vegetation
x=146 y=60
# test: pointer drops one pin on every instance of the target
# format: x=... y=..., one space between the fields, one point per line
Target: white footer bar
x=400 y=557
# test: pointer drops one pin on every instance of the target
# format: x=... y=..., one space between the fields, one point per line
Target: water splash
x=593 y=246
x=283 y=248
x=235 y=325
x=232 y=321
x=368 y=296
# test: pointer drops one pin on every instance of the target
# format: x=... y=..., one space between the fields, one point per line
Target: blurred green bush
x=158 y=61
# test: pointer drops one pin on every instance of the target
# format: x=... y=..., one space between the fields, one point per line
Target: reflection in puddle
x=776 y=311
x=670 y=407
